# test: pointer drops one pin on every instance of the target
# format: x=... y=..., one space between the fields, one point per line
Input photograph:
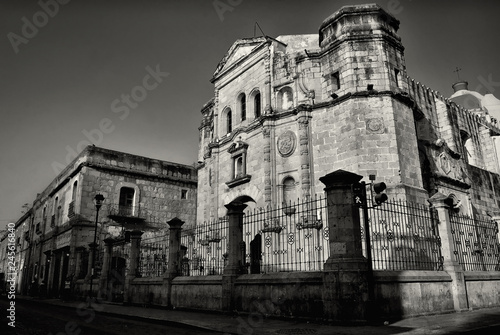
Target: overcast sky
x=60 y=80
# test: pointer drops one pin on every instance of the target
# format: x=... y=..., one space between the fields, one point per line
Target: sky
x=67 y=67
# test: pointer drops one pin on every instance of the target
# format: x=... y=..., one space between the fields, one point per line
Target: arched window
x=229 y=122
x=55 y=214
x=289 y=193
x=75 y=188
x=468 y=147
x=243 y=106
x=71 y=207
x=257 y=104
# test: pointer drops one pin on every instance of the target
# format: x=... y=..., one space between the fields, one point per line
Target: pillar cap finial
x=339 y=178
x=175 y=223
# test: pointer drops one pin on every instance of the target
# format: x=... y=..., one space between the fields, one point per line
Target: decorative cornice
x=140 y=173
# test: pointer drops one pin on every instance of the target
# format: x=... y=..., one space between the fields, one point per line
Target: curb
x=177 y=324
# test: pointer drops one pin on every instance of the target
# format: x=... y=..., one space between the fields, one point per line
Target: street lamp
x=98 y=200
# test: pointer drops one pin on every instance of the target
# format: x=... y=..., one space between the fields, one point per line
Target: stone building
x=289 y=110
x=140 y=194
x=15 y=253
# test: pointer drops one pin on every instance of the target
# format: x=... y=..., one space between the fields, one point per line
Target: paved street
x=35 y=318
x=57 y=317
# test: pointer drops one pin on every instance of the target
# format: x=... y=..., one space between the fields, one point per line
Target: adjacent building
x=54 y=237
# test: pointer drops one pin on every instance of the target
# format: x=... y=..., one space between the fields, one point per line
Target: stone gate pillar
x=135 y=251
x=234 y=264
x=345 y=293
x=106 y=265
x=174 y=258
x=450 y=264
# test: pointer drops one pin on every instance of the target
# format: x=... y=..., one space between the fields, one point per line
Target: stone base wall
x=483 y=289
x=397 y=294
x=286 y=294
x=203 y=292
x=401 y=294
x=147 y=291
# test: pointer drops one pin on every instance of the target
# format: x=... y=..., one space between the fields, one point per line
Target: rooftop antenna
x=254 y=29
x=457 y=70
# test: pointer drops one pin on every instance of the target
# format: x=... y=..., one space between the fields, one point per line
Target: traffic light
x=379 y=197
x=358 y=191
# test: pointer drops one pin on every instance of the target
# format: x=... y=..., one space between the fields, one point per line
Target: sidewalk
x=255 y=324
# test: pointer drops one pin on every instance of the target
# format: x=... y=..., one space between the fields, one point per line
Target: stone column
x=266 y=131
x=345 y=284
x=106 y=265
x=135 y=251
x=78 y=263
x=450 y=264
x=234 y=264
x=174 y=258
x=305 y=171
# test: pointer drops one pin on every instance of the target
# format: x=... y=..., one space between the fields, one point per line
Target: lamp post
x=98 y=200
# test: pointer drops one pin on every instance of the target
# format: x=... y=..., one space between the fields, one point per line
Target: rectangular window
x=184 y=194
x=335 y=81
x=396 y=77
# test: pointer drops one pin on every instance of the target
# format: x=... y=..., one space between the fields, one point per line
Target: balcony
x=127 y=214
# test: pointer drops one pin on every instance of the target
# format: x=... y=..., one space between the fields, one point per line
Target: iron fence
x=204 y=249
x=153 y=258
x=404 y=236
x=475 y=242
x=293 y=237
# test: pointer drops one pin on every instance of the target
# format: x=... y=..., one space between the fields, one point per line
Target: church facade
x=289 y=110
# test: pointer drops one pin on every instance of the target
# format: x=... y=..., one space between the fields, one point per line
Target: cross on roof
x=457 y=70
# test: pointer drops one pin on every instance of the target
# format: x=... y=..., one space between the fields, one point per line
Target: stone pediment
x=237 y=147
x=239 y=50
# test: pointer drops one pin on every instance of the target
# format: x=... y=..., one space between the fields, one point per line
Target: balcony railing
x=71 y=209
x=126 y=214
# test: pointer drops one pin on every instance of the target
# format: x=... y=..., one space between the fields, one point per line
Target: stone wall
x=483 y=289
x=484 y=191
x=203 y=293
x=147 y=291
x=410 y=293
x=281 y=294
